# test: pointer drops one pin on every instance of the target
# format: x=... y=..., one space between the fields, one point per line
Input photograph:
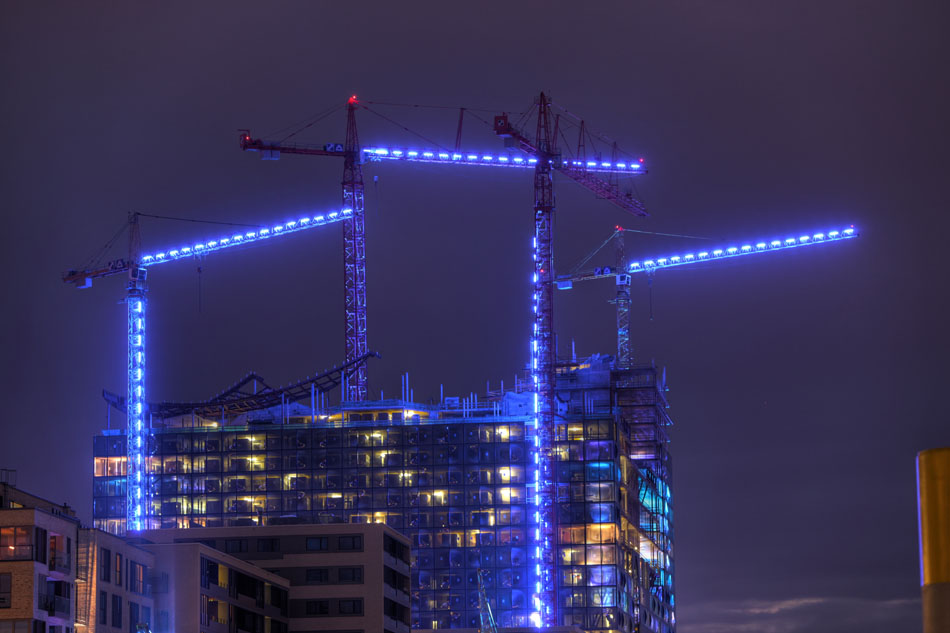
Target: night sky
x=803 y=383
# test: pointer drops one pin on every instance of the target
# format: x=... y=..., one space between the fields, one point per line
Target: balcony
x=396 y=595
x=61 y=562
x=392 y=624
x=54 y=605
x=16 y=552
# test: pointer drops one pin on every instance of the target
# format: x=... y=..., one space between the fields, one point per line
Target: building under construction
x=455 y=477
x=555 y=495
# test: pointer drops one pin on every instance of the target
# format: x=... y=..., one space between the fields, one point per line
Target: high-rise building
x=458 y=478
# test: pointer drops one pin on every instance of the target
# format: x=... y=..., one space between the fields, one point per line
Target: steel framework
x=354 y=257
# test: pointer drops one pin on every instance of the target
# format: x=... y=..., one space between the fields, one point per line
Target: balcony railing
x=16 y=552
x=54 y=605
x=60 y=561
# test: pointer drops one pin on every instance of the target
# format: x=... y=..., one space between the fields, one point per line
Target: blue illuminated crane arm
x=239 y=239
x=650 y=265
x=495 y=159
x=750 y=248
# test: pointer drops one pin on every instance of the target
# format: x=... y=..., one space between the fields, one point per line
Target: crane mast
x=354 y=257
x=543 y=359
x=622 y=300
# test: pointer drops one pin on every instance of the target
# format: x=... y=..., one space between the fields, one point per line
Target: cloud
x=806 y=614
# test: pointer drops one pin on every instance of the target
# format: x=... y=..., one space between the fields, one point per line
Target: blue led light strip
x=649 y=265
x=238 y=239
x=137 y=432
x=136 y=408
x=487 y=159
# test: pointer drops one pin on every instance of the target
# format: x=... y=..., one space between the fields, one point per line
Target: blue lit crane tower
x=135 y=266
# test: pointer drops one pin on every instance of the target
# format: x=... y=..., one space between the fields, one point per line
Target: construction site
x=543 y=503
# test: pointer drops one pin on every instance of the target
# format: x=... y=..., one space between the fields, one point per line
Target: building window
x=118 y=569
x=161 y=626
x=15 y=544
x=102 y=617
x=351 y=607
x=15 y=626
x=395 y=549
x=6 y=591
x=396 y=611
x=318 y=576
x=350 y=575
x=213 y=611
x=268 y=545
x=235 y=546
x=351 y=543
x=40 y=541
x=318 y=607
x=133 y=617
x=278 y=598
x=394 y=579
x=317 y=543
x=105 y=565
x=213 y=574
x=136 y=578
x=117 y=612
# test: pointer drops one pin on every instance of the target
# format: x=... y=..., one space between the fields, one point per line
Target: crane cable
x=434 y=107
x=403 y=127
x=168 y=217
x=98 y=255
x=310 y=121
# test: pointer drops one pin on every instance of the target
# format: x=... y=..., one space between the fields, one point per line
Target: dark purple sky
x=803 y=383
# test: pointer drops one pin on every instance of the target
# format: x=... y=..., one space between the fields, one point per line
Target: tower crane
x=624 y=270
x=541 y=154
x=136 y=266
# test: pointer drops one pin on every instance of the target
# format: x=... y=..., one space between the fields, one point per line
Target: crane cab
x=503 y=126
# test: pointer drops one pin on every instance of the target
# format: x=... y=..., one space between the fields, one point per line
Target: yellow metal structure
x=933 y=488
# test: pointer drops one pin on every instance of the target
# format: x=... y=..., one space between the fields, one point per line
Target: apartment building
x=113 y=585
x=37 y=564
x=352 y=578
x=203 y=590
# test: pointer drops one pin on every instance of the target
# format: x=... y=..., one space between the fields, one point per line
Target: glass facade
x=455 y=480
